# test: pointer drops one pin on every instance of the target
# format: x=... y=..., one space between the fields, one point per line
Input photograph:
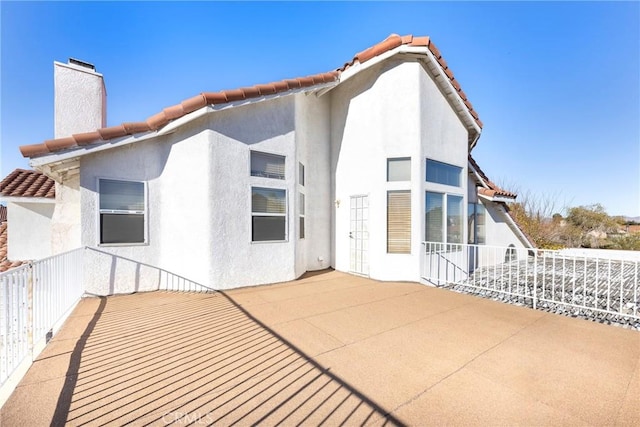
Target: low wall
x=602 y=253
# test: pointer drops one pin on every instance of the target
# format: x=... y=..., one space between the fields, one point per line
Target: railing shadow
x=163 y=358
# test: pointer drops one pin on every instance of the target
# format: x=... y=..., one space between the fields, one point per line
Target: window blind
x=399 y=222
x=267 y=165
x=268 y=200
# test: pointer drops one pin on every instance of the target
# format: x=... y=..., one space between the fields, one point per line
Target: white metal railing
x=35 y=299
x=14 y=319
x=540 y=278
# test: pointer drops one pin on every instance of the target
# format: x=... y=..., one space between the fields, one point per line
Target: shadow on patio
x=159 y=358
x=331 y=348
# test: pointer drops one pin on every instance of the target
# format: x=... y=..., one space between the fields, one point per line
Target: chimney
x=80 y=98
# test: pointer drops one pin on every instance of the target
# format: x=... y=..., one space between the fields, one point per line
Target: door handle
x=351 y=235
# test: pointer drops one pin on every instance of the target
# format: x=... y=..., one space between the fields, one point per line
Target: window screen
x=268 y=214
x=267 y=165
x=122 y=211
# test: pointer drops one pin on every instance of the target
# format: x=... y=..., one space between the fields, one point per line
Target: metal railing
x=540 y=278
x=35 y=299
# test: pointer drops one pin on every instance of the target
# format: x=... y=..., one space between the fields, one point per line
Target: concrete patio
x=330 y=348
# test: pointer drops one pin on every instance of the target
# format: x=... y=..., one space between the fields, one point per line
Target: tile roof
x=187 y=106
x=5 y=264
x=3 y=213
x=493 y=189
x=27 y=183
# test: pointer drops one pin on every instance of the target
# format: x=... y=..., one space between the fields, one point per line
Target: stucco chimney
x=80 y=98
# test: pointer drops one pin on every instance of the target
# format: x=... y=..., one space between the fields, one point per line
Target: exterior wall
x=198 y=203
x=79 y=98
x=312 y=134
x=29 y=230
x=445 y=139
x=266 y=127
x=499 y=233
x=66 y=219
x=390 y=110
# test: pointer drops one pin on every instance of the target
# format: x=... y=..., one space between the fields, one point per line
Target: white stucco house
x=352 y=169
x=30 y=202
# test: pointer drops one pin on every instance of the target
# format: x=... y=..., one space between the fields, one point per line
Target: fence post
x=535 y=278
x=30 y=309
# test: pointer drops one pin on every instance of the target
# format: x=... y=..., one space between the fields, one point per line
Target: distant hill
x=632 y=218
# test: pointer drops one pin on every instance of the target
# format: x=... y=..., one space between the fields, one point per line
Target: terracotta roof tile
x=174 y=112
x=27 y=183
x=60 y=143
x=215 y=97
x=3 y=213
x=112 y=132
x=157 y=120
x=187 y=106
x=194 y=103
x=5 y=264
x=493 y=189
x=87 y=138
x=136 y=127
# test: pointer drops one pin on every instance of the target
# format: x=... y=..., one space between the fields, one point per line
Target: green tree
x=594 y=224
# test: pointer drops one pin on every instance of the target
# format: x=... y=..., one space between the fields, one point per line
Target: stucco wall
x=312 y=135
x=499 y=233
x=198 y=202
x=79 y=98
x=66 y=219
x=29 y=230
x=387 y=111
x=266 y=127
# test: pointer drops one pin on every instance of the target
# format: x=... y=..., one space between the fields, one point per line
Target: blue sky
x=557 y=84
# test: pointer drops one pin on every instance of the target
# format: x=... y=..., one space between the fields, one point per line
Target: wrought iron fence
x=539 y=278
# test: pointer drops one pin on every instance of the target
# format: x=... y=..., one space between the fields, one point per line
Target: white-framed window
x=301 y=174
x=477 y=223
x=267 y=165
x=443 y=173
x=302 y=215
x=268 y=214
x=399 y=169
x=443 y=217
x=122 y=211
x=399 y=222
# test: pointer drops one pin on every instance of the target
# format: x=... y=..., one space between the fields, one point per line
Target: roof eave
x=27 y=199
x=79 y=151
x=497 y=198
x=444 y=83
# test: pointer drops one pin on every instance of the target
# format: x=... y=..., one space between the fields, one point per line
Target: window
x=454 y=219
x=477 y=233
x=301 y=174
x=399 y=169
x=122 y=211
x=268 y=214
x=301 y=220
x=433 y=218
x=436 y=228
x=443 y=173
x=399 y=222
x=267 y=165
